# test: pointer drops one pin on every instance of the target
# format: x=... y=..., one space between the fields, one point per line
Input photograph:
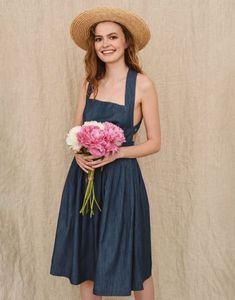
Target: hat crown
x=79 y=29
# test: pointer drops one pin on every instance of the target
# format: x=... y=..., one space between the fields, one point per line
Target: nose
x=105 y=42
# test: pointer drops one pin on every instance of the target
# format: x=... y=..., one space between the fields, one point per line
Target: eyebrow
x=107 y=34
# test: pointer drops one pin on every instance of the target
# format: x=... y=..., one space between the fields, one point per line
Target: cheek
x=96 y=46
x=121 y=43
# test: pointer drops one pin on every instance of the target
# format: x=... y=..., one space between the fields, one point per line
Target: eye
x=97 y=39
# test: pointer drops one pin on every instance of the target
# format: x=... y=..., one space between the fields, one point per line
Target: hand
x=82 y=160
x=103 y=160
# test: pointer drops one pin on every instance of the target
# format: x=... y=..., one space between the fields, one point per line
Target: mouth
x=108 y=52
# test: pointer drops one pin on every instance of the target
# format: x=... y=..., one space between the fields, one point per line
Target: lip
x=108 y=50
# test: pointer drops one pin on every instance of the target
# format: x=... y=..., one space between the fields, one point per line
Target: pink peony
x=101 y=141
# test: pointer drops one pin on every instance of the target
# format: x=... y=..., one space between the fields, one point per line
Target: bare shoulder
x=145 y=85
x=81 y=101
x=144 y=81
x=84 y=84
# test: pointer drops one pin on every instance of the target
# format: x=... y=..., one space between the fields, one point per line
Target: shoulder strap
x=130 y=94
x=89 y=90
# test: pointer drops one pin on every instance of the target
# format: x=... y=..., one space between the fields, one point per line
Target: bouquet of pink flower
x=100 y=140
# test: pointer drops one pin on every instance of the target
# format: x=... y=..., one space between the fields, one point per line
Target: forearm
x=146 y=148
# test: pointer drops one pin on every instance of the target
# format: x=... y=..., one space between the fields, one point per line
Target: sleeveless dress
x=113 y=248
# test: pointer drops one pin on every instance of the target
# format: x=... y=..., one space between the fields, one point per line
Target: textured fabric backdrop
x=190 y=182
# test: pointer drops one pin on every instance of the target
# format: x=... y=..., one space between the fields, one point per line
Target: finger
x=86 y=163
x=100 y=164
x=92 y=158
x=82 y=167
x=78 y=155
x=85 y=168
x=81 y=158
x=85 y=158
x=88 y=167
x=98 y=159
x=78 y=159
x=95 y=162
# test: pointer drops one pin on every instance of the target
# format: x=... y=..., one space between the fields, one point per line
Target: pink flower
x=101 y=140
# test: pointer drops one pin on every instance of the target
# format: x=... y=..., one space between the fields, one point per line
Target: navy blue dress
x=113 y=248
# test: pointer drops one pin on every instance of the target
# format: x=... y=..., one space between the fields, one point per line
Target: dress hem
x=128 y=293
x=99 y=292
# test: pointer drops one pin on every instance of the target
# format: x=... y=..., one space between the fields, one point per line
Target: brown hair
x=95 y=68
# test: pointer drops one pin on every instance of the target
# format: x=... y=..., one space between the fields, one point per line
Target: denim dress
x=113 y=248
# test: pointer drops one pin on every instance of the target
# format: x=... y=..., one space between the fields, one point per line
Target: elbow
x=156 y=147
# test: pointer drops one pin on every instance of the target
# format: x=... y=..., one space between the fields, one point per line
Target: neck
x=116 y=72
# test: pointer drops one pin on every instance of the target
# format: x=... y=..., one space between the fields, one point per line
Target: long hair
x=95 y=68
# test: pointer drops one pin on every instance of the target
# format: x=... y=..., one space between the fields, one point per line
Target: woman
x=110 y=254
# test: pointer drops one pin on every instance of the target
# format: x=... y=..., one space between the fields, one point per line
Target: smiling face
x=109 y=41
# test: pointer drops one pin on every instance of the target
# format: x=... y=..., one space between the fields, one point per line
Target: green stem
x=96 y=200
x=89 y=195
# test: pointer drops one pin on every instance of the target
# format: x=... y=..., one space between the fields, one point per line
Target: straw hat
x=79 y=29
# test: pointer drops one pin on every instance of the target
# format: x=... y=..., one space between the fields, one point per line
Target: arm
x=150 y=111
x=81 y=101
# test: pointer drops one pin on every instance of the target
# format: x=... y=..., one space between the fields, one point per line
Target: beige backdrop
x=190 y=181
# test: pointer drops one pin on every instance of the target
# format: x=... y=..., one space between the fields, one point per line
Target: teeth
x=107 y=51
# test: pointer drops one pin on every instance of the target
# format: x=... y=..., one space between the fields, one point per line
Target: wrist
x=120 y=153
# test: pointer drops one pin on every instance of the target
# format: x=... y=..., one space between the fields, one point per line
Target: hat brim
x=79 y=29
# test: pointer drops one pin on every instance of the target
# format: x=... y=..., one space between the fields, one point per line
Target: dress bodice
x=121 y=115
